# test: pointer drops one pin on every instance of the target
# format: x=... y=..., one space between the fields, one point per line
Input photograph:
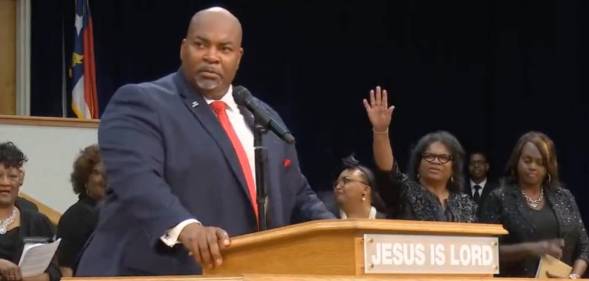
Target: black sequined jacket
x=407 y=199
x=506 y=205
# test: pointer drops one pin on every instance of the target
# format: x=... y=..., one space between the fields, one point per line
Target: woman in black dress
x=541 y=216
x=432 y=190
x=79 y=220
x=16 y=224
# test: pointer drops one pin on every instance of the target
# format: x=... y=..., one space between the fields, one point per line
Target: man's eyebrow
x=228 y=42
x=224 y=43
x=198 y=37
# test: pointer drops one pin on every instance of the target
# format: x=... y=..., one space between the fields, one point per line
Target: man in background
x=478 y=184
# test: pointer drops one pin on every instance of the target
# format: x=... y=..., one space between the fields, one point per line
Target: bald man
x=180 y=186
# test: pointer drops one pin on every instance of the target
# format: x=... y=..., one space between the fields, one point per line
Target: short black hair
x=11 y=156
x=478 y=151
x=351 y=163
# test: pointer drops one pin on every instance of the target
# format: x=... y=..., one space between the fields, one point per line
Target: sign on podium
x=357 y=247
x=430 y=254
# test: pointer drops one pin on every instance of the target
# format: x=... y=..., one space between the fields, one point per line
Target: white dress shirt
x=482 y=185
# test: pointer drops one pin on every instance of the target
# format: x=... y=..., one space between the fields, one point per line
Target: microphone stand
x=261 y=160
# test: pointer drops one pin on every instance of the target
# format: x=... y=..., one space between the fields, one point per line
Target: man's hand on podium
x=205 y=243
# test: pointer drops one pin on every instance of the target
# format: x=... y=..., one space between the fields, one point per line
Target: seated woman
x=353 y=191
x=433 y=189
x=541 y=216
x=16 y=224
x=79 y=220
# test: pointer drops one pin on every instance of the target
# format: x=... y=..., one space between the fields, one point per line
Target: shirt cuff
x=170 y=238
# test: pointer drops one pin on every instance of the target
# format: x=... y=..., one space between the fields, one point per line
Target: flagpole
x=23 y=58
x=64 y=104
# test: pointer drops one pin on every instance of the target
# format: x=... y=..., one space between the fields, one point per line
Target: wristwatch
x=574 y=276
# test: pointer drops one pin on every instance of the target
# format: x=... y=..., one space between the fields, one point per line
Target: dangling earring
x=452 y=179
x=549 y=179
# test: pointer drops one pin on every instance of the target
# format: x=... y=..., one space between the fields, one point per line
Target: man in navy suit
x=179 y=188
x=478 y=184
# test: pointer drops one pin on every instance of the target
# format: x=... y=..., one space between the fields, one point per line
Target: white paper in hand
x=36 y=257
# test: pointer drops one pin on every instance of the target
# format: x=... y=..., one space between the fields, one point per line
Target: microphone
x=244 y=97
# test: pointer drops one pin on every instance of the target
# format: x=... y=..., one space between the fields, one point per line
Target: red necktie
x=219 y=107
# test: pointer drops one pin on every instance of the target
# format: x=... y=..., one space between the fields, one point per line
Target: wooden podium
x=322 y=250
x=328 y=247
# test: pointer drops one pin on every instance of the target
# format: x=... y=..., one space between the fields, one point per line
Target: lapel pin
x=194 y=104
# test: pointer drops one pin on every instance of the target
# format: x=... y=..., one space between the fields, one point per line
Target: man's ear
x=239 y=58
x=182 y=49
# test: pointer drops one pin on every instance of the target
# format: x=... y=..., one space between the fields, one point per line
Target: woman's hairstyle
x=83 y=166
x=11 y=156
x=548 y=151
x=351 y=163
x=456 y=183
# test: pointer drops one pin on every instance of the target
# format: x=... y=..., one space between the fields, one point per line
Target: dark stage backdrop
x=487 y=71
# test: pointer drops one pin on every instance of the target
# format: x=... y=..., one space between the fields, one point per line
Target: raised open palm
x=378 y=111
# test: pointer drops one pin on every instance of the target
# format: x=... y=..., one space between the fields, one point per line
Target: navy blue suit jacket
x=167 y=160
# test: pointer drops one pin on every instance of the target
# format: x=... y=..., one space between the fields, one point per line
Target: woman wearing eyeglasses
x=541 y=216
x=17 y=224
x=432 y=189
x=353 y=191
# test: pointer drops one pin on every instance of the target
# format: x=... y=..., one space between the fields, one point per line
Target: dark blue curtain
x=487 y=71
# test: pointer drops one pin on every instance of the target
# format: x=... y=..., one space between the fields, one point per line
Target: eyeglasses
x=442 y=158
x=346 y=180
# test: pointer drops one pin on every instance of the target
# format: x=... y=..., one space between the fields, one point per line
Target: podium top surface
x=295 y=277
x=369 y=226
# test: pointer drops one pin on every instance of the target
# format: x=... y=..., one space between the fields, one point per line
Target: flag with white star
x=83 y=73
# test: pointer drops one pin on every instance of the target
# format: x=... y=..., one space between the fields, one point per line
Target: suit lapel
x=521 y=205
x=468 y=189
x=488 y=188
x=559 y=213
x=201 y=110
